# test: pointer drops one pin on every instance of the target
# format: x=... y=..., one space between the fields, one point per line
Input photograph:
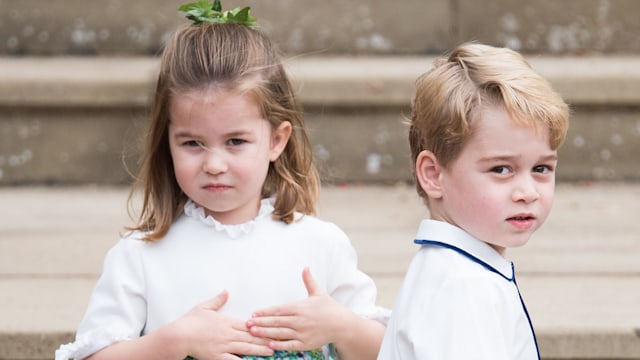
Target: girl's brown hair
x=231 y=57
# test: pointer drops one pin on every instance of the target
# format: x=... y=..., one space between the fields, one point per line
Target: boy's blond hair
x=450 y=97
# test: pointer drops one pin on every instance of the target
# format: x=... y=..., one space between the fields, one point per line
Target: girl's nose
x=214 y=163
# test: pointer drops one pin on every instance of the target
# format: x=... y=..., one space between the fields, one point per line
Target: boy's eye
x=543 y=169
x=501 y=170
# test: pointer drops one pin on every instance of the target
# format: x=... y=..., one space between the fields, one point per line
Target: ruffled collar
x=192 y=210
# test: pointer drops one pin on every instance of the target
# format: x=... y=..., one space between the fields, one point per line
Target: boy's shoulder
x=440 y=276
x=454 y=265
x=459 y=252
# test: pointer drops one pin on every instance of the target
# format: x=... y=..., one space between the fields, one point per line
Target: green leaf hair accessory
x=202 y=11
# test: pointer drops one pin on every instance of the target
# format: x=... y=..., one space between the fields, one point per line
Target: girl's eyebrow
x=184 y=134
x=187 y=134
x=237 y=133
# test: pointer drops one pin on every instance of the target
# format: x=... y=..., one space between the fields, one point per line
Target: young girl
x=226 y=261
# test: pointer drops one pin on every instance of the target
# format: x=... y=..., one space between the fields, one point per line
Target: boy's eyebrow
x=550 y=157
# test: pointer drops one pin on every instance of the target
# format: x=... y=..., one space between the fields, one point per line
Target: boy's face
x=500 y=188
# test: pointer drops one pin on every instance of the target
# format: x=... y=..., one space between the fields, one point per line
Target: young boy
x=485 y=129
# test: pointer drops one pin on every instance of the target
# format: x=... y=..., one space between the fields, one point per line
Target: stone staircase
x=67 y=121
x=76 y=79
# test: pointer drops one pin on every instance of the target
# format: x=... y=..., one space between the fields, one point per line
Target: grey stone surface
x=80 y=120
x=141 y=27
x=552 y=27
x=69 y=145
x=579 y=275
x=120 y=27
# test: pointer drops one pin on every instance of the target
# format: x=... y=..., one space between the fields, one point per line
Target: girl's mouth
x=216 y=187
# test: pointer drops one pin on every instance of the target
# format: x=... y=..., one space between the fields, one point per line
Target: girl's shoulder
x=311 y=222
x=131 y=241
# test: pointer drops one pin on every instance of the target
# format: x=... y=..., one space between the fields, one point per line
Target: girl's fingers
x=217 y=302
x=310 y=283
x=254 y=338
x=272 y=321
x=250 y=349
x=278 y=310
x=288 y=345
x=274 y=333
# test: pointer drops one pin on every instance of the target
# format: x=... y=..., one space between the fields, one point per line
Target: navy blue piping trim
x=526 y=312
x=475 y=259
x=492 y=269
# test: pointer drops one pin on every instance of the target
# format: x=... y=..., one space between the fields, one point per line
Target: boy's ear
x=428 y=171
x=279 y=139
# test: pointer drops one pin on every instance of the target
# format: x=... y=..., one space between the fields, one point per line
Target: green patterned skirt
x=317 y=354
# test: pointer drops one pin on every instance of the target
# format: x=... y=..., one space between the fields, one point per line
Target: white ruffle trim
x=235 y=230
x=88 y=344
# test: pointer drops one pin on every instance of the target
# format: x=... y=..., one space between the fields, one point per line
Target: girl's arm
x=316 y=321
x=201 y=333
x=160 y=344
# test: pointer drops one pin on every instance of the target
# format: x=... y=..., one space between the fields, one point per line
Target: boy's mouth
x=523 y=222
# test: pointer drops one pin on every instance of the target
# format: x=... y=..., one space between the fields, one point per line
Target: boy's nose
x=526 y=191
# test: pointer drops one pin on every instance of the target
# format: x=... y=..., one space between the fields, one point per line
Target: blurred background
x=77 y=77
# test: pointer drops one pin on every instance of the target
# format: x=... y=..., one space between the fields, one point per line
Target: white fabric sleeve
x=347 y=284
x=117 y=306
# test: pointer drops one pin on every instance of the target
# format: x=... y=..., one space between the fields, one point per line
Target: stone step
x=123 y=27
x=79 y=120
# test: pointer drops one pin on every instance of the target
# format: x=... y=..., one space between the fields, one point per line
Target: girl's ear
x=428 y=172
x=279 y=139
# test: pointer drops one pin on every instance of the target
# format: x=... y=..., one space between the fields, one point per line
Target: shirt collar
x=444 y=234
x=234 y=231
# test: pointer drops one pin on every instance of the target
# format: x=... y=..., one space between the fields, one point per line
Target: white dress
x=459 y=301
x=145 y=285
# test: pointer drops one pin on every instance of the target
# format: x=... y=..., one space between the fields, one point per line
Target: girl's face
x=500 y=189
x=221 y=148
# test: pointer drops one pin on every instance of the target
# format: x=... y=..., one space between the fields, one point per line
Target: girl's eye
x=501 y=170
x=193 y=143
x=236 y=142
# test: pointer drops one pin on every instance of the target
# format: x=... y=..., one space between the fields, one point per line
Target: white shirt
x=459 y=300
x=145 y=285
